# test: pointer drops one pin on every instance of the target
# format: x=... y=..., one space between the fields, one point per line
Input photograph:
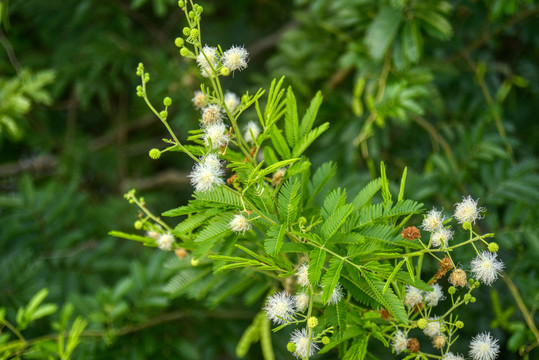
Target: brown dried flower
x=413 y=345
x=411 y=233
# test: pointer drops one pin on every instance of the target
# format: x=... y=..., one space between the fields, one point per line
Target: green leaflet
x=306 y=141
x=358 y=350
x=291 y=122
x=218 y=197
x=274 y=239
x=336 y=315
x=194 y=221
x=143 y=239
x=382 y=31
x=279 y=143
x=366 y=194
x=321 y=177
x=335 y=199
x=289 y=200
x=331 y=278
x=310 y=115
x=388 y=299
x=316 y=264
x=335 y=221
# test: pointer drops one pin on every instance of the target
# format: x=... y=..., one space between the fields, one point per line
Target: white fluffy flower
x=216 y=134
x=400 y=342
x=484 y=347
x=207 y=59
x=235 y=58
x=441 y=236
x=432 y=298
x=240 y=224
x=212 y=114
x=206 y=175
x=413 y=296
x=486 y=268
x=212 y=161
x=232 y=101
x=302 y=273
x=451 y=356
x=300 y=338
x=164 y=242
x=302 y=300
x=433 y=220
x=280 y=307
x=251 y=132
x=336 y=295
x=153 y=234
x=467 y=210
x=199 y=100
x=433 y=328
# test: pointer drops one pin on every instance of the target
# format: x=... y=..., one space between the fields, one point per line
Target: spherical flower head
x=302 y=273
x=441 y=236
x=439 y=341
x=300 y=338
x=206 y=59
x=493 y=247
x=312 y=322
x=280 y=307
x=413 y=345
x=399 y=342
x=216 y=135
x=467 y=211
x=336 y=295
x=413 y=296
x=155 y=153
x=251 y=132
x=410 y=233
x=486 y=268
x=240 y=224
x=458 y=278
x=232 y=101
x=164 y=242
x=302 y=301
x=205 y=176
x=484 y=347
x=433 y=328
x=212 y=161
x=278 y=176
x=433 y=220
x=235 y=58
x=199 y=99
x=432 y=298
x=451 y=356
x=153 y=234
x=212 y=114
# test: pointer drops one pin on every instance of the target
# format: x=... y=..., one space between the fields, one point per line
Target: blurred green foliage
x=447 y=88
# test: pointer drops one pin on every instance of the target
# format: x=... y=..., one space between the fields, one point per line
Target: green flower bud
x=191 y=14
x=181 y=4
x=178 y=42
x=155 y=153
x=193 y=33
x=422 y=323
x=459 y=324
x=476 y=284
x=140 y=94
x=195 y=262
x=167 y=101
x=467 y=225
x=186 y=31
x=493 y=247
x=138 y=224
x=473 y=299
x=467 y=297
x=146 y=78
x=451 y=290
x=163 y=114
x=199 y=9
x=139 y=88
x=225 y=71
x=139 y=72
x=325 y=340
x=184 y=51
x=291 y=347
x=471 y=281
x=140 y=66
x=312 y=322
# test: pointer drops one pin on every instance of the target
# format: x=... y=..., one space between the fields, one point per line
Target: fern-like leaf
x=291 y=124
x=289 y=200
x=331 y=278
